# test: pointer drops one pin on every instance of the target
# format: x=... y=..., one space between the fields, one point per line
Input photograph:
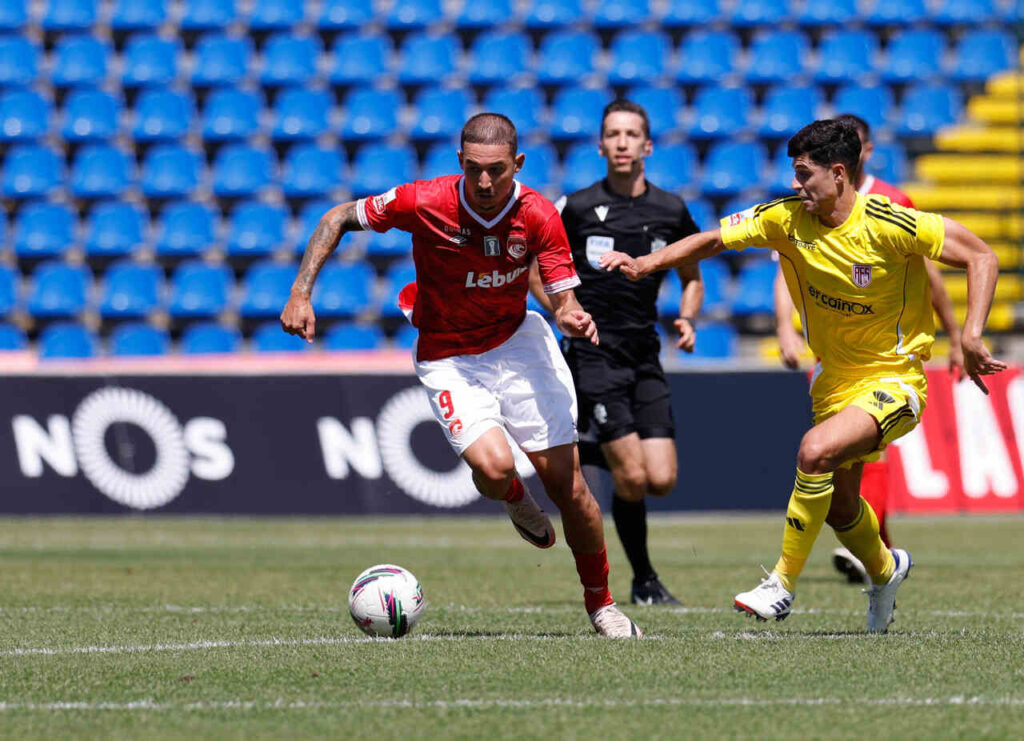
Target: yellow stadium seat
x=1008 y=287
x=995 y=110
x=1007 y=84
x=1002 y=318
x=993 y=225
x=979 y=139
x=976 y=168
x=946 y=198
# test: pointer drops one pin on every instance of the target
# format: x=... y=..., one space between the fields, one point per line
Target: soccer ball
x=386 y=601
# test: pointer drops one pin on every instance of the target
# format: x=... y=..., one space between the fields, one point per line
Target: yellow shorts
x=896 y=404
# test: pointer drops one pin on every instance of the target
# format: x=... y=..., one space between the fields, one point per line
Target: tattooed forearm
x=328 y=233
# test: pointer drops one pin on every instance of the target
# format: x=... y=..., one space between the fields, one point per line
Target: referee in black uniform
x=622 y=391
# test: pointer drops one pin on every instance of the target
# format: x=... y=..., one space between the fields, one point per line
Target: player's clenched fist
x=628 y=266
x=298 y=318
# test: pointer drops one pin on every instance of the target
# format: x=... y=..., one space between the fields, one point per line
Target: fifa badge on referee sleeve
x=492 y=248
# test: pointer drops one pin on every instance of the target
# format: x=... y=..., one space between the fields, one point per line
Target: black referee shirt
x=599 y=220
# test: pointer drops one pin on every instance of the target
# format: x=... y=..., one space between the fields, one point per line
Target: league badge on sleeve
x=861 y=275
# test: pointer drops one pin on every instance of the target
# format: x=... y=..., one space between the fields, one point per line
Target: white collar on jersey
x=483 y=222
x=867 y=185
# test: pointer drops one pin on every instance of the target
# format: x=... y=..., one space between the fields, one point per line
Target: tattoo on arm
x=333 y=225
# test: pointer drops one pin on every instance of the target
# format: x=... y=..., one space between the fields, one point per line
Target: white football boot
x=850 y=566
x=611 y=622
x=882 y=597
x=530 y=521
x=766 y=601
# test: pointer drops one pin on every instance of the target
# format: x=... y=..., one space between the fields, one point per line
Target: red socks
x=593 y=571
x=515 y=492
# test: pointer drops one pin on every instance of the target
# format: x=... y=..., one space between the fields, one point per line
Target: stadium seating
x=720 y=113
x=406 y=15
x=539 y=167
x=204 y=338
x=566 y=57
x=525 y=106
x=137 y=15
x=583 y=167
x=913 y=56
x=311 y=170
x=716 y=341
x=389 y=244
x=440 y=113
x=717 y=287
x=351 y=336
x=962 y=12
x=616 y=14
x=777 y=56
x=92 y=115
x=576 y=113
x=787 y=109
x=832 y=13
x=30 y=172
x=221 y=61
x=702 y=213
x=58 y=290
x=359 y=58
x=9 y=289
x=275 y=15
x=405 y=337
x=150 y=61
x=139 y=339
x=13 y=15
x=732 y=167
x=289 y=60
x=79 y=61
x=484 y=15
x=427 y=58
x=497 y=56
x=378 y=167
x=846 y=56
x=889 y=162
x=69 y=15
x=162 y=115
x=638 y=56
x=370 y=114
x=672 y=166
x=24 y=116
x=185 y=229
x=100 y=171
x=925 y=108
x=256 y=229
x=756 y=13
x=113 y=229
x=241 y=171
x=67 y=340
x=265 y=289
x=980 y=54
x=546 y=14
x=343 y=290
x=12 y=338
x=896 y=12
x=130 y=290
x=19 y=61
x=300 y=114
x=199 y=290
x=269 y=337
x=755 y=288
x=344 y=15
x=398 y=276
x=43 y=230
x=207 y=15
x=690 y=13
x=662 y=105
x=231 y=115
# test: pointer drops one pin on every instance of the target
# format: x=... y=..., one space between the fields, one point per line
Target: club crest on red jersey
x=862 y=275
x=516 y=247
x=492 y=247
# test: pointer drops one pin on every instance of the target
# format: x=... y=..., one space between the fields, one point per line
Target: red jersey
x=472 y=273
x=872 y=184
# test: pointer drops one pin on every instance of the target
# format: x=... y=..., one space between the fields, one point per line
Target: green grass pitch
x=238 y=628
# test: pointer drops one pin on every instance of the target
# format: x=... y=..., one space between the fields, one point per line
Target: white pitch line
x=472 y=704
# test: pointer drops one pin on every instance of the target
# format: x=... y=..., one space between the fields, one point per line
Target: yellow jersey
x=863 y=297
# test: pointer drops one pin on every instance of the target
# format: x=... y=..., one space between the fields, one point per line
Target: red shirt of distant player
x=472 y=273
x=872 y=184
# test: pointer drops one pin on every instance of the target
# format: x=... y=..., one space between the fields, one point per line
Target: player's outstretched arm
x=689 y=250
x=297 y=317
x=791 y=344
x=944 y=309
x=570 y=317
x=963 y=249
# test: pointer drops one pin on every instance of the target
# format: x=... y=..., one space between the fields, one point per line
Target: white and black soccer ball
x=386 y=601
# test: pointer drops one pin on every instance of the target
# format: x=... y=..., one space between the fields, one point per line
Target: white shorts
x=522 y=385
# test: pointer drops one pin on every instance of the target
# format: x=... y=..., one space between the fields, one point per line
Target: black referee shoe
x=651 y=591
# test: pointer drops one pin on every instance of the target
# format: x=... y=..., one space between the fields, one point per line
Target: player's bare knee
x=660 y=486
x=816 y=455
x=631 y=483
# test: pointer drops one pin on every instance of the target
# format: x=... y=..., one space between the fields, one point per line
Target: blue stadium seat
x=539 y=168
x=370 y=114
x=439 y=113
x=398 y=276
x=846 y=56
x=914 y=55
x=43 y=230
x=114 y=228
x=981 y=53
x=162 y=115
x=100 y=171
x=720 y=113
x=873 y=103
x=405 y=338
x=497 y=56
x=185 y=229
x=79 y=61
x=543 y=14
x=311 y=170
x=289 y=60
x=241 y=171
x=269 y=337
x=30 y=172
x=889 y=162
x=411 y=15
x=669 y=295
x=205 y=338
x=198 y=289
x=90 y=115
x=309 y=216
x=170 y=171
x=968 y=12
x=672 y=166
x=150 y=61
x=256 y=229
x=832 y=13
x=690 y=13
x=231 y=114
x=780 y=181
x=24 y=116
x=58 y=289
x=378 y=167
x=8 y=291
x=485 y=15
x=576 y=113
x=732 y=167
x=755 y=286
x=221 y=61
x=344 y=15
x=440 y=160
x=13 y=15
x=275 y=15
x=895 y=12
x=207 y=15
x=715 y=341
x=12 y=338
x=344 y=289
x=565 y=57
x=927 y=108
x=717 y=286
x=352 y=336
x=265 y=289
x=138 y=15
x=757 y=13
x=583 y=166
x=300 y=114
x=662 y=105
x=19 y=61
x=69 y=15
x=707 y=57
x=130 y=290
x=427 y=58
x=615 y=14
x=787 y=109
x=359 y=58
x=392 y=243
x=137 y=339
x=525 y=106
x=703 y=214
x=638 y=56
x=777 y=56
x=66 y=340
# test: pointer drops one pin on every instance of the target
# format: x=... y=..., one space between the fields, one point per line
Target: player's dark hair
x=490 y=128
x=621 y=105
x=862 y=126
x=827 y=143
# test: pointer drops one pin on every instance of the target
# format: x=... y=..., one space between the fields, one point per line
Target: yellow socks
x=862 y=539
x=806 y=513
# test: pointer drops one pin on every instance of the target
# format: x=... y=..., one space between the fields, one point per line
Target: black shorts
x=620 y=387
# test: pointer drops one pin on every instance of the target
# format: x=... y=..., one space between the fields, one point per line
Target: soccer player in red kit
x=491 y=368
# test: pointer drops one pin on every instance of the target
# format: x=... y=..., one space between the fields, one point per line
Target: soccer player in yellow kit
x=865 y=308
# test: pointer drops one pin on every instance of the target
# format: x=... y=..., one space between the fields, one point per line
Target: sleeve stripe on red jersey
x=361 y=214
x=562 y=285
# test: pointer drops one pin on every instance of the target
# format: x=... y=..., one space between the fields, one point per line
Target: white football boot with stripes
x=882 y=597
x=770 y=600
x=611 y=622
